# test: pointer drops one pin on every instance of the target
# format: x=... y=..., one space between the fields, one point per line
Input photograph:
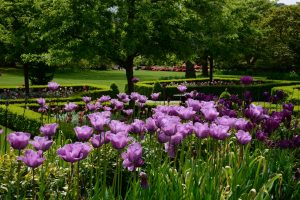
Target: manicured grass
x=12 y=76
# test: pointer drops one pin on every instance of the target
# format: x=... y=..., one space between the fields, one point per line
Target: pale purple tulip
x=182 y=88
x=53 y=86
x=49 y=130
x=117 y=126
x=119 y=140
x=150 y=125
x=41 y=102
x=195 y=104
x=123 y=97
x=70 y=107
x=74 y=152
x=201 y=130
x=104 y=98
x=117 y=105
x=128 y=112
x=32 y=158
x=18 y=140
x=41 y=143
x=138 y=127
x=210 y=113
x=135 y=80
x=243 y=137
x=87 y=99
x=155 y=96
x=226 y=121
x=83 y=133
x=99 y=140
x=99 y=120
x=219 y=132
x=132 y=158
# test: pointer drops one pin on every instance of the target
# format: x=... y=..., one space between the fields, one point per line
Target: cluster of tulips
x=202 y=116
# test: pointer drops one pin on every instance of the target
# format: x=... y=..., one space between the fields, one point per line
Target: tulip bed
x=122 y=148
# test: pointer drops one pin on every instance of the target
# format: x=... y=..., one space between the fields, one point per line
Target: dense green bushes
x=146 y=87
x=293 y=92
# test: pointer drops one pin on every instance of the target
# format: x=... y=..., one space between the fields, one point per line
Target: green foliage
x=40 y=73
x=114 y=90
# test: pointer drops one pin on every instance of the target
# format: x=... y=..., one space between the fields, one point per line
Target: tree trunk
x=128 y=65
x=26 y=78
x=202 y=61
x=211 y=68
x=190 y=70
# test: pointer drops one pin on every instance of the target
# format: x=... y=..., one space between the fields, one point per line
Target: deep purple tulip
x=285 y=144
x=41 y=143
x=119 y=140
x=132 y=158
x=271 y=124
x=32 y=158
x=246 y=80
x=267 y=96
x=248 y=96
x=219 y=132
x=201 y=130
x=70 y=107
x=135 y=80
x=104 y=98
x=87 y=99
x=41 y=102
x=260 y=135
x=83 y=133
x=288 y=106
x=53 y=86
x=18 y=140
x=155 y=96
x=280 y=94
x=182 y=88
x=243 y=137
x=49 y=130
x=144 y=180
x=74 y=152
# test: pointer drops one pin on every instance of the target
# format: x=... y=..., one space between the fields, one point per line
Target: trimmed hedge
x=94 y=91
x=257 y=90
x=293 y=92
x=28 y=121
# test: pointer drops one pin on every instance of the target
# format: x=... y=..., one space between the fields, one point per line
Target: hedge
x=94 y=91
x=293 y=92
x=28 y=121
x=257 y=90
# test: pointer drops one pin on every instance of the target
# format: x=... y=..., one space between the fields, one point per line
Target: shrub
x=40 y=73
x=114 y=90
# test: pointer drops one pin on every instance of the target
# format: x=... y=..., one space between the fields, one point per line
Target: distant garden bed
x=219 y=85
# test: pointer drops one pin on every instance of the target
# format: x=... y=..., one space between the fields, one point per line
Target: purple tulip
x=241 y=124
x=201 y=130
x=226 y=121
x=118 y=105
x=210 y=113
x=176 y=139
x=138 y=127
x=32 y=158
x=169 y=128
x=18 y=140
x=99 y=120
x=43 y=109
x=83 y=133
x=99 y=140
x=70 y=107
x=119 y=140
x=49 y=130
x=104 y=98
x=123 y=97
x=186 y=113
x=195 y=104
x=182 y=88
x=246 y=80
x=260 y=135
x=117 y=126
x=41 y=143
x=87 y=99
x=219 y=132
x=41 y=102
x=74 y=152
x=134 y=96
x=53 y=86
x=132 y=158
x=267 y=96
x=144 y=180
x=243 y=137
x=288 y=106
x=91 y=107
x=150 y=125
x=128 y=112
x=135 y=80
x=155 y=96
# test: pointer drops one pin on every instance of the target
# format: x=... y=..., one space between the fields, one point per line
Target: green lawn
x=11 y=76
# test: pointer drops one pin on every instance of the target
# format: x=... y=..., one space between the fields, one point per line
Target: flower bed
x=212 y=148
x=233 y=86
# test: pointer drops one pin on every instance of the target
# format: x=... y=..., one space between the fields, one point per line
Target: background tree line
x=41 y=35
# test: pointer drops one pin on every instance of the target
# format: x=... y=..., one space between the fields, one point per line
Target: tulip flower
x=83 y=133
x=49 y=130
x=32 y=158
x=243 y=137
x=132 y=158
x=74 y=152
x=18 y=140
x=53 y=86
x=41 y=143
